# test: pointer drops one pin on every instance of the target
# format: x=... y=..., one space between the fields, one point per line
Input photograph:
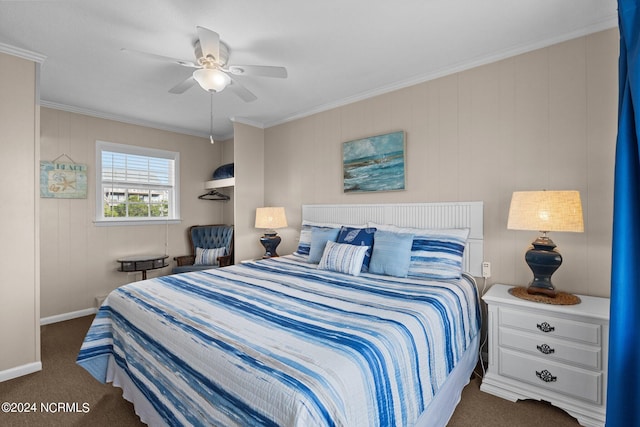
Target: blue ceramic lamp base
x=270 y=241
x=543 y=260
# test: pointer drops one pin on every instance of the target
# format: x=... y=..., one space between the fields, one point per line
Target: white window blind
x=134 y=169
x=135 y=184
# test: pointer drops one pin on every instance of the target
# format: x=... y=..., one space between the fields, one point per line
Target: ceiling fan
x=212 y=72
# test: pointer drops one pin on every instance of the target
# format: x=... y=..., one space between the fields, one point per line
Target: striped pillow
x=435 y=253
x=343 y=258
x=209 y=256
x=304 y=242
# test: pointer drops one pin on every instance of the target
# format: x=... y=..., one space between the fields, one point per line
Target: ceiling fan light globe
x=211 y=80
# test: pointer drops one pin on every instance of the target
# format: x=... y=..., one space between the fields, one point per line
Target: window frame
x=174 y=191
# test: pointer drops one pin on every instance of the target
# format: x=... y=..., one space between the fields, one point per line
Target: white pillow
x=343 y=258
x=209 y=256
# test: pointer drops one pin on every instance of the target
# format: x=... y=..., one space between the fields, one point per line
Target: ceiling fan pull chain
x=211 y=121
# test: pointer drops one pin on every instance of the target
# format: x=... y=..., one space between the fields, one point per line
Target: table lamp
x=545 y=211
x=270 y=218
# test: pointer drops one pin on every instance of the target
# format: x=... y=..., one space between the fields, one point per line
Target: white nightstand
x=556 y=353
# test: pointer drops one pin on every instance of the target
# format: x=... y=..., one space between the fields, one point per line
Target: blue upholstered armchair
x=211 y=247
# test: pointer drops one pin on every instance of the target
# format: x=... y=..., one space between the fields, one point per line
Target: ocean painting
x=374 y=164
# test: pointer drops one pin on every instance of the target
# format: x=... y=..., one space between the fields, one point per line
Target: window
x=136 y=184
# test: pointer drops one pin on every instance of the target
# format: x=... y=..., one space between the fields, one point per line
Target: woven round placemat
x=562 y=298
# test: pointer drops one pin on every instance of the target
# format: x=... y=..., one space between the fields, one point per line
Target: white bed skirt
x=441 y=407
x=144 y=409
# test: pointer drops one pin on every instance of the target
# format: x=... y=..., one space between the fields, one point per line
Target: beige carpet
x=75 y=398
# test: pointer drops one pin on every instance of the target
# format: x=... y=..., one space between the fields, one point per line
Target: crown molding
x=128 y=120
x=22 y=53
x=248 y=122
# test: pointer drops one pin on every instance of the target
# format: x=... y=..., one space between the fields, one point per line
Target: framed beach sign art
x=376 y=163
x=63 y=180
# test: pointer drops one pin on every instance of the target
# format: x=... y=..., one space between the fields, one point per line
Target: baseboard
x=67 y=316
x=18 y=371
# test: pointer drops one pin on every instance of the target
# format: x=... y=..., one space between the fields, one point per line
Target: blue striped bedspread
x=278 y=342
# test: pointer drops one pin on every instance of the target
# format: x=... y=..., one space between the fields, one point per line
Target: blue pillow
x=319 y=239
x=224 y=171
x=304 y=243
x=342 y=258
x=358 y=237
x=391 y=253
x=436 y=253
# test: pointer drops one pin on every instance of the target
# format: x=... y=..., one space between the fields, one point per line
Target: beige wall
x=541 y=120
x=249 y=190
x=228 y=207
x=79 y=258
x=19 y=287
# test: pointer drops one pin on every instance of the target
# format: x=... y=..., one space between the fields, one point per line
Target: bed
x=291 y=342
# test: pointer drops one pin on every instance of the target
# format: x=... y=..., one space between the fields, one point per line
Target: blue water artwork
x=374 y=164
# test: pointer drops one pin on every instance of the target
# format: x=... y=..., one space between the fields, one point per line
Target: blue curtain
x=623 y=393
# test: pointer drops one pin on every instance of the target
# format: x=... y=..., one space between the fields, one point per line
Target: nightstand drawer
x=564 y=379
x=547 y=325
x=552 y=349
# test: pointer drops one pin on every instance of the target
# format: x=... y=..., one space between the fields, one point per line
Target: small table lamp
x=545 y=211
x=270 y=218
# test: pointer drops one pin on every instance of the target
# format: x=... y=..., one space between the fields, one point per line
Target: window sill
x=127 y=222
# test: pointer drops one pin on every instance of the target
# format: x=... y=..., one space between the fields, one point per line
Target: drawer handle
x=545 y=327
x=545 y=349
x=546 y=376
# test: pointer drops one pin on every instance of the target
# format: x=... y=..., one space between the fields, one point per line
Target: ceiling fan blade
x=258 y=70
x=161 y=58
x=209 y=42
x=183 y=86
x=245 y=94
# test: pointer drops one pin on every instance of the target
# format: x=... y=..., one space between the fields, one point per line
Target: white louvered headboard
x=420 y=215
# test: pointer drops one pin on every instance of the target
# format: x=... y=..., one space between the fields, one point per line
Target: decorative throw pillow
x=343 y=258
x=304 y=242
x=358 y=237
x=391 y=253
x=209 y=256
x=435 y=253
x=319 y=239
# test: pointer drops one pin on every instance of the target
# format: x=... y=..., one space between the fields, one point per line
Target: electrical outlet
x=486 y=269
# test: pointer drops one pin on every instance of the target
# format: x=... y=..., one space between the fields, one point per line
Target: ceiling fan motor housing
x=224 y=54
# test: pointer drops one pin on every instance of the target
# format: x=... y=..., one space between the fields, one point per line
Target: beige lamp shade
x=546 y=211
x=270 y=218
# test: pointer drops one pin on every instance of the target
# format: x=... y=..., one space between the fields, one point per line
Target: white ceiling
x=335 y=51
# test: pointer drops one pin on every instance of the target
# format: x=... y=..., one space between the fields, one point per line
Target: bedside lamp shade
x=270 y=218
x=545 y=211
